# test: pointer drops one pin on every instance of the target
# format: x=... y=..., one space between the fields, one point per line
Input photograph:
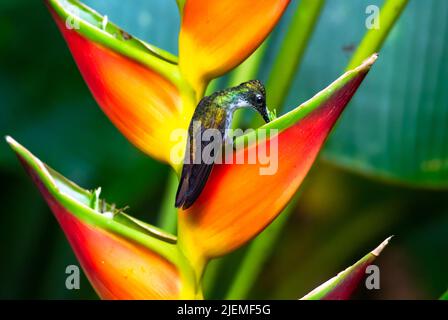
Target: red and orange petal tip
x=216 y=36
x=122 y=259
x=136 y=85
x=117 y=268
x=238 y=202
x=342 y=286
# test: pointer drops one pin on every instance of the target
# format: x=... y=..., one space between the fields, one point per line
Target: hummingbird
x=214 y=112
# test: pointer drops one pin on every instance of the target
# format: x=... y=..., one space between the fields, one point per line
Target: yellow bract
x=216 y=36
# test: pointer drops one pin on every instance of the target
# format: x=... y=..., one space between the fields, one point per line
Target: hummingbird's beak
x=265 y=115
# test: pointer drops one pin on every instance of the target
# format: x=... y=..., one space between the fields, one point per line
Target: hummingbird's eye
x=259 y=99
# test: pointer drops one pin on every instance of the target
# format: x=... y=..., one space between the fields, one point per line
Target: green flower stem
x=374 y=38
x=292 y=50
x=168 y=213
x=444 y=296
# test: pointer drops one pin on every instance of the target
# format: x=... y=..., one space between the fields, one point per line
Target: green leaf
x=345 y=283
x=397 y=130
x=403 y=135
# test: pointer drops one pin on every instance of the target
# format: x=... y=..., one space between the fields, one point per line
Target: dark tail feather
x=181 y=193
x=192 y=182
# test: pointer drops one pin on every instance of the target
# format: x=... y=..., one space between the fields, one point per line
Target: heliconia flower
x=122 y=257
x=137 y=85
x=147 y=94
x=342 y=286
x=140 y=87
x=216 y=36
x=237 y=202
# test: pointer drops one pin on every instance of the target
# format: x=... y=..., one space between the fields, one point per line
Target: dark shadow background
x=46 y=106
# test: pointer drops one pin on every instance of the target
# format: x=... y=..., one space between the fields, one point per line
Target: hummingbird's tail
x=192 y=182
x=181 y=191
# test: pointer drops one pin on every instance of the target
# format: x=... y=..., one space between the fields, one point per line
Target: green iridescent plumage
x=214 y=112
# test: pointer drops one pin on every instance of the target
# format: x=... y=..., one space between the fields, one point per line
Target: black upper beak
x=265 y=115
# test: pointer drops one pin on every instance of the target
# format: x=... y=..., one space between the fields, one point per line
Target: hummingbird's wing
x=199 y=164
x=193 y=179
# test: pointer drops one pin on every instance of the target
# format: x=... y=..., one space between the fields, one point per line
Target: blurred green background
x=384 y=170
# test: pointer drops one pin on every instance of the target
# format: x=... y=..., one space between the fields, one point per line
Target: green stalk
x=260 y=248
x=374 y=38
x=444 y=296
x=168 y=213
x=292 y=50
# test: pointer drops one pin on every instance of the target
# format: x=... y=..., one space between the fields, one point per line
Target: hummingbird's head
x=251 y=94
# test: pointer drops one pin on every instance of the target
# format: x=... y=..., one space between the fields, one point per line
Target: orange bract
x=116 y=268
x=216 y=36
x=141 y=103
